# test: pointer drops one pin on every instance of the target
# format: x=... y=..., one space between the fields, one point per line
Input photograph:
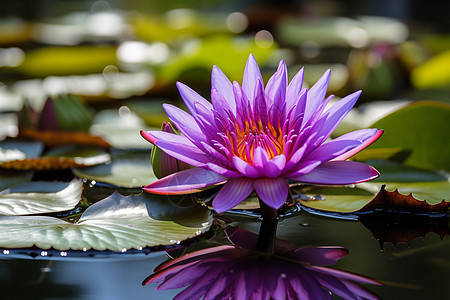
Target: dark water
x=417 y=271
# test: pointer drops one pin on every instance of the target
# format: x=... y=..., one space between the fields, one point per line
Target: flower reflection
x=238 y=272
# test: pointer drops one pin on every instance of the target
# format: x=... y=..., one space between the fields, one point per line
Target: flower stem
x=268 y=229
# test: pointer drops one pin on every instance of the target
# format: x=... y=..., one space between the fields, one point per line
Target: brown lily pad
x=58 y=138
x=394 y=201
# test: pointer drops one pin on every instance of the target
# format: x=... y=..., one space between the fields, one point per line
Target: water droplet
x=44 y=253
x=124 y=250
x=6 y=252
x=84 y=249
x=305 y=224
x=46 y=270
x=63 y=253
x=283 y=275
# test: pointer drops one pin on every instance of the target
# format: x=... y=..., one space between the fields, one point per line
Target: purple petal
x=245 y=168
x=251 y=76
x=336 y=286
x=275 y=91
x=218 y=285
x=184 y=152
x=148 y=136
x=275 y=166
x=162 y=136
x=190 y=96
x=272 y=191
x=232 y=193
x=300 y=105
x=219 y=103
x=260 y=158
x=216 y=157
x=317 y=94
x=294 y=88
x=339 y=173
x=185 y=182
x=259 y=104
x=303 y=168
x=241 y=237
x=223 y=171
x=366 y=136
x=321 y=256
x=330 y=150
x=295 y=158
x=344 y=275
x=334 y=115
x=185 y=123
x=199 y=255
x=223 y=85
x=360 y=291
x=265 y=167
x=243 y=109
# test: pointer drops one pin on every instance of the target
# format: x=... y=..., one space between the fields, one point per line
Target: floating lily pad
x=130 y=169
x=116 y=223
x=422 y=129
x=40 y=197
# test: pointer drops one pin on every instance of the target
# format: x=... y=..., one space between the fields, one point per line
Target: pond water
x=420 y=270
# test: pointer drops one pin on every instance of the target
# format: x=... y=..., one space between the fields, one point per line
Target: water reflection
x=242 y=271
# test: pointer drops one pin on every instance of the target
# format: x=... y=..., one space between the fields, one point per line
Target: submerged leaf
x=39 y=197
x=116 y=223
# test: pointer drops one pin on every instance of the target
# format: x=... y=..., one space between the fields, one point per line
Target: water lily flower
x=255 y=138
x=237 y=272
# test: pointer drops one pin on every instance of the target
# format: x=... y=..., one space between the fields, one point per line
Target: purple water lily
x=252 y=138
x=239 y=272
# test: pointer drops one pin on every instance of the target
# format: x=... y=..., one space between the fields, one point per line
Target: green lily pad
x=421 y=128
x=39 y=197
x=130 y=169
x=116 y=223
